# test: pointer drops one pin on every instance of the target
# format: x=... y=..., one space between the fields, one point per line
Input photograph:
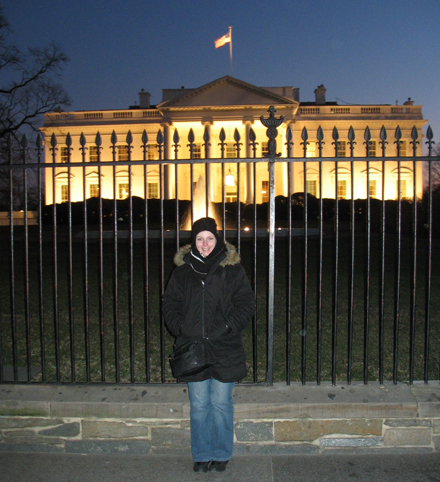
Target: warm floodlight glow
x=229 y=179
x=200 y=206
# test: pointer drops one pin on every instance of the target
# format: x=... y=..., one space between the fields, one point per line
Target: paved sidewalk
x=410 y=467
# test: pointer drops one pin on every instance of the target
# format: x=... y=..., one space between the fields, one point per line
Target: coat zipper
x=203 y=309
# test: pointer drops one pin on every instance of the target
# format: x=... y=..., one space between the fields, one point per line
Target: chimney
x=320 y=94
x=144 y=99
x=409 y=102
x=296 y=93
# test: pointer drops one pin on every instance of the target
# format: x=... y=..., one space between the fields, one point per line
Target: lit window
x=93 y=154
x=311 y=150
x=402 y=149
x=372 y=148
x=122 y=153
x=64 y=193
x=342 y=189
x=311 y=187
x=153 y=152
x=342 y=149
x=402 y=188
x=231 y=151
x=94 y=190
x=122 y=190
x=373 y=188
x=230 y=188
x=64 y=154
x=197 y=151
x=264 y=191
x=153 y=190
x=230 y=194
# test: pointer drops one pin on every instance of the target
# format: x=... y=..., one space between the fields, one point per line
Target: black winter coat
x=215 y=311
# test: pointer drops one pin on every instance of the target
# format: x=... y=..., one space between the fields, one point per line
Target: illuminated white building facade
x=232 y=105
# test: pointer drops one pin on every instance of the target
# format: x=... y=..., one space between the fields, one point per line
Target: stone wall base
x=278 y=420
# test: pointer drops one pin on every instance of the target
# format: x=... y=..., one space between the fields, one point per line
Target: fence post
x=271 y=123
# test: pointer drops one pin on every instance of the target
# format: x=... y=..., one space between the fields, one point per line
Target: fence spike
x=159 y=140
x=383 y=141
x=430 y=142
x=129 y=138
x=335 y=136
x=398 y=142
x=351 y=140
x=414 y=134
x=252 y=143
x=24 y=141
x=320 y=137
x=53 y=141
x=144 y=137
x=367 y=135
x=351 y=134
x=414 y=142
x=191 y=139
x=429 y=134
x=206 y=135
x=207 y=138
x=304 y=137
x=114 y=138
x=39 y=141
x=176 y=137
x=289 y=143
x=68 y=140
x=98 y=140
x=237 y=141
x=222 y=138
x=82 y=140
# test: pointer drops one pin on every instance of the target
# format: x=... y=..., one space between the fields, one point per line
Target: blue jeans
x=212 y=420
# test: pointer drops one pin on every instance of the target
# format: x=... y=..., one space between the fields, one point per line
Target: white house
x=234 y=106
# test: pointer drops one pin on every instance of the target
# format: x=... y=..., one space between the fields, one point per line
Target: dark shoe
x=217 y=466
x=201 y=466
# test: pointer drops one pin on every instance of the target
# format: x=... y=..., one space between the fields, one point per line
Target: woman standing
x=209 y=298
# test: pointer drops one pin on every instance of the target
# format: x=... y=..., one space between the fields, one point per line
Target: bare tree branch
x=33 y=87
x=436 y=169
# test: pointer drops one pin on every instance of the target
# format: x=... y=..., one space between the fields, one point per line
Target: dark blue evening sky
x=363 y=51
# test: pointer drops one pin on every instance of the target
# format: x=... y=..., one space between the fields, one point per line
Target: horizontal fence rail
x=347 y=288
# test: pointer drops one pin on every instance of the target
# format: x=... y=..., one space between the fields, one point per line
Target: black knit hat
x=204 y=224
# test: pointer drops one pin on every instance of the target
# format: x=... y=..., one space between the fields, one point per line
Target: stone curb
x=154 y=419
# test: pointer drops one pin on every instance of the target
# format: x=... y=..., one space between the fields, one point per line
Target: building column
x=292 y=165
x=209 y=181
x=249 y=171
x=168 y=178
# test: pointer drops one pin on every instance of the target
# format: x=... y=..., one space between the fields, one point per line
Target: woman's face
x=205 y=243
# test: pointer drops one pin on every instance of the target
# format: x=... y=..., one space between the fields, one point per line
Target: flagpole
x=230 y=47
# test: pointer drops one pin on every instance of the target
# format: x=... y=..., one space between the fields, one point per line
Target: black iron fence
x=347 y=289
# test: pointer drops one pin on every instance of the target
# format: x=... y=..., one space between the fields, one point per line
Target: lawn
x=140 y=339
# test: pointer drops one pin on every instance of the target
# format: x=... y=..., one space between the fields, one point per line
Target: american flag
x=223 y=40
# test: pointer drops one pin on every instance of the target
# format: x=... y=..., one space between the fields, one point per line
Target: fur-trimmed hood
x=232 y=257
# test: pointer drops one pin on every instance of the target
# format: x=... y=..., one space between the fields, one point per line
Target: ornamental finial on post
x=272 y=123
